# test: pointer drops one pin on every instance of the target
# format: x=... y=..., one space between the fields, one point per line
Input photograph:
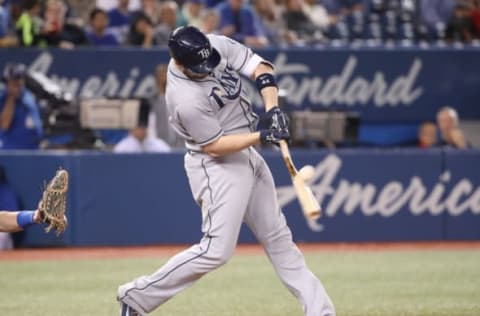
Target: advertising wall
x=396 y=84
x=366 y=195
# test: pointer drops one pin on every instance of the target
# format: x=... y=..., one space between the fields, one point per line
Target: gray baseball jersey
x=229 y=190
x=203 y=110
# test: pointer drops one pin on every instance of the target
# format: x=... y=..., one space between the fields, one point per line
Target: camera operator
x=20 y=123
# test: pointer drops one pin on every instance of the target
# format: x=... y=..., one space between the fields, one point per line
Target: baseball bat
x=309 y=204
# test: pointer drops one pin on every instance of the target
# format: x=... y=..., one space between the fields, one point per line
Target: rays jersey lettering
x=228 y=90
x=230 y=82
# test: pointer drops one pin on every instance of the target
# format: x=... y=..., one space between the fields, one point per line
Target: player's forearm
x=269 y=94
x=229 y=144
x=270 y=97
x=8 y=222
x=11 y=222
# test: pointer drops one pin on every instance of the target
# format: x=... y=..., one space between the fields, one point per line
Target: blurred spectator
x=119 y=19
x=427 y=135
x=54 y=17
x=317 y=13
x=459 y=28
x=82 y=9
x=141 y=31
x=192 y=12
x=300 y=23
x=29 y=24
x=213 y=3
x=345 y=7
x=3 y=20
x=448 y=123
x=160 y=121
x=98 y=35
x=20 y=123
x=436 y=13
x=358 y=5
x=210 y=21
x=167 y=22
x=108 y=5
x=271 y=22
x=475 y=17
x=120 y=15
x=332 y=6
x=151 y=8
x=239 y=21
x=14 y=10
x=57 y=31
x=137 y=141
x=7 y=39
x=8 y=201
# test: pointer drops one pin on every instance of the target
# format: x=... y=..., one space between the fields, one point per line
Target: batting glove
x=276 y=119
x=274 y=136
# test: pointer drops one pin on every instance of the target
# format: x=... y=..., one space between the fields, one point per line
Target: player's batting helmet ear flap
x=13 y=71
x=192 y=49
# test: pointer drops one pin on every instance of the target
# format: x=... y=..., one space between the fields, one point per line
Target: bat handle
x=287 y=158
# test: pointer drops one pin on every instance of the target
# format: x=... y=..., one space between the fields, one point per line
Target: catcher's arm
x=51 y=208
x=11 y=222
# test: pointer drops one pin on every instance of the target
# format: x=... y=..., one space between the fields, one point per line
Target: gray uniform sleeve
x=240 y=57
x=200 y=123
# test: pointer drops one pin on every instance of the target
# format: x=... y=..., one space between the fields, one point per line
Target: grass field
x=386 y=283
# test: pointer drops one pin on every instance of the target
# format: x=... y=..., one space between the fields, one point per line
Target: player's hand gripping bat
x=310 y=207
x=308 y=202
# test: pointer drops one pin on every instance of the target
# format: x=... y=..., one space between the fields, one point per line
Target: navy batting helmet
x=191 y=48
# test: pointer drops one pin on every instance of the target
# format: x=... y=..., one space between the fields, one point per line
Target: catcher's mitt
x=53 y=204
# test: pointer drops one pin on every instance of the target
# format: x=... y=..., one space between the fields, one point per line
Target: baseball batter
x=229 y=179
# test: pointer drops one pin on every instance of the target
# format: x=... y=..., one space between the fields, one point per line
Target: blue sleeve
x=225 y=17
x=250 y=22
x=112 y=40
x=116 y=18
x=34 y=109
x=257 y=25
x=111 y=18
x=213 y=3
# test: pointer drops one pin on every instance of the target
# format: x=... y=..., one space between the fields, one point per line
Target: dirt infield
x=168 y=250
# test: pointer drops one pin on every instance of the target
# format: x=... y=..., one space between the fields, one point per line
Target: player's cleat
x=126 y=310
